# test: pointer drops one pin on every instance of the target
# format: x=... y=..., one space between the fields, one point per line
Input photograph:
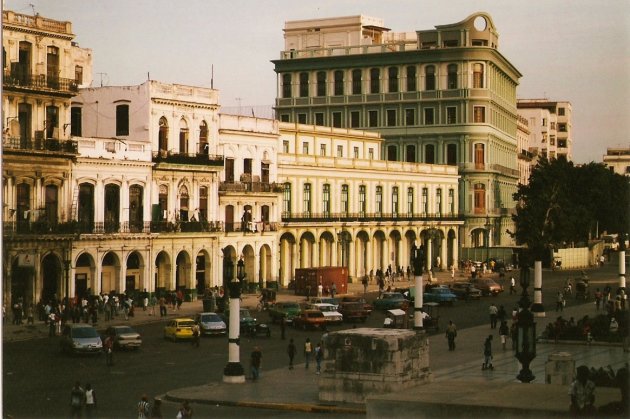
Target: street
x=37 y=377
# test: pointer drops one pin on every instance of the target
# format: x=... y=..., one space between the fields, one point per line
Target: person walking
x=143 y=407
x=291 y=350
x=162 y=307
x=255 y=361
x=308 y=350
x=108 y=347
x=333 y=290
x=195 y=333
x=90 y=401
x=185 y=411
x=451 y=333
x=493 y=311
x=77 y=400
x=598 y=298
x=560 y=302
x=319 y=355
x=504 y=332
x=487 y=354
x=512 y=285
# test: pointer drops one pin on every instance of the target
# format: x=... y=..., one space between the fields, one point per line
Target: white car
x=331 y=314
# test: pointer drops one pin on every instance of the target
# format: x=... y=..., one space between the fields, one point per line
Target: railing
x=250 y=227
x=187 y=158
x=250 y=187
x=10 y=17
x=74 y=227
x=39 y=82
x=367 y=217
x=14 y=143
x=186 y=226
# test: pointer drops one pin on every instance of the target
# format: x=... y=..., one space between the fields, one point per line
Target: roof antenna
x=32 y=7
x=212 y=78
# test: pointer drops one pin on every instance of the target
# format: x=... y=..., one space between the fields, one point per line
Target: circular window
x=480 y=23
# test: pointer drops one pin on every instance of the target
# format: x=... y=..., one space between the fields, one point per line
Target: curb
x=579 y=342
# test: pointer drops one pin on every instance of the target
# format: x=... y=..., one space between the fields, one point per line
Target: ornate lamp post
x=233 y=371
x=526 y=328
x=417 y=261
x=488 y=226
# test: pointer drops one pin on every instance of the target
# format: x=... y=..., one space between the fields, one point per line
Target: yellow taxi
x=179 y=329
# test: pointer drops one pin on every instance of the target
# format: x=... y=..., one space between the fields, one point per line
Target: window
x=479 y=156
x=303 y=84
x=375 y=80
x=264 y=172
x=438 y=201
x=410 y=153
x=479 y=114
x=391 y=117
x=229 y=170
x=395 y=201
x=429 y=116
x=305 y=148
x=163 y=135
x=411 y=78
x=478 y=76
x=338 y=87
x=479 y=198
x=247 y=166
x=362 y=202
x=425 y=201
x=78 y=75
x=451 y=77
x=373 y=119
x=356 y=82
x=122 y=120
x=183 y=138
x=355 y=118
x=52 y=122
x=52 y=67
x=163 y=203
x=51 y=203
x=286 y=198
x=451 y=154
x=429 y=78
x=75 y=121
x=285 y=146
x=203 y=138
x=319 y=118
x=322 y=150
x=562 y=127
x=378 y=209
x=561 y=111
x=429 y=154
x=326 y=200
x=111 y=208
x=301 y=118
x=371 y=153
x=321 y=83
x=345 y=204
x=410 y=202
x=286 y=85
x=285 y=117
x=336 y=119
x=451 y=201
x=552 y=140
x=410 y=117
x=355 y=152
x=451 y=115
x=392 y=154
x=392 y=79
x=339 y=151
x=307 y=199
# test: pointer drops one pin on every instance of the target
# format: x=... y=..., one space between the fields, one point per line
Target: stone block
x=560 y=368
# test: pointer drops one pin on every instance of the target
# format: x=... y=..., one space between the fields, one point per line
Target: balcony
x=186 y=226
x=18 y=80
x=50 y=144
x=195 y=159
x=230 y=186
x=366 y=217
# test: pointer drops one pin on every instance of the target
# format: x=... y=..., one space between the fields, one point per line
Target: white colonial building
x=550 y=125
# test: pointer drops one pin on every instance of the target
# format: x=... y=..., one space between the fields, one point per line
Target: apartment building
x=550 y=126
x=618 y=160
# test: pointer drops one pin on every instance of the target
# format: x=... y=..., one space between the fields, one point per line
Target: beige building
x=526 y=157
x=618 y=160
x=550 y=127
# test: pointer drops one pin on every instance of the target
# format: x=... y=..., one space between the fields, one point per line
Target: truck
x=307 y=279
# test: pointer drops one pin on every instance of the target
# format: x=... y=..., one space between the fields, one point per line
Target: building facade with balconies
x=550 y=126
x=618 y=160
x=526 y=157
x=442 y=96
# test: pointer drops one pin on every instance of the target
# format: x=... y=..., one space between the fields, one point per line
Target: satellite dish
x=14 y=128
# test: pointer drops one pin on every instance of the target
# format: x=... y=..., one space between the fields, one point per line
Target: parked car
x=177 y=329
x=352 y=299
x=310 y=319
x=325 y=300
x=439 y=295
x=353 y=310
x=487 y=286
x=330 y=312
x=210 y=324
x=288 y=310
x=124 y=337
x=390 y=300
x=249 y=324
x=461 y=289
x=80 y=338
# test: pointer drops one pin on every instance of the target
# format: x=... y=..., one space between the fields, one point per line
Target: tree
x=564 y=203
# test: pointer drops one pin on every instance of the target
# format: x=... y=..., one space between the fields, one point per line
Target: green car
x=287 y=310
x=249 y=324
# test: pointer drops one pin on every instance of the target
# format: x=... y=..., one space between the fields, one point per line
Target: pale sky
x=575 y=50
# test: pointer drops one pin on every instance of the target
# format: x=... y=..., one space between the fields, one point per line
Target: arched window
x=163 y=203
x=480 y=156
x=112 y=208
x=163 y=135
x=429 y=77
x=136 y=208
x=23 y=206
x=392 y=79
x=203 y=138
x=321 y=83
x=86 y=207
x=52 y=203
x=183 y=136
x=303 y=84
x=338 y=83
x=478 y=76
x=203 y=203
x=451 y=78
x=184 y=200
x=411 y=78
x=356 y=82
x=375 y=80
x=479 y=198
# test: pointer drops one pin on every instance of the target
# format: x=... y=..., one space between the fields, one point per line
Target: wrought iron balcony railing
x=250 y=187
x=366 y=217
x=188 y=158
x=41 y=82
x=14 y=143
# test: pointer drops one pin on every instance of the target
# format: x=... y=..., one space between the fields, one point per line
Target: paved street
x=37 y=378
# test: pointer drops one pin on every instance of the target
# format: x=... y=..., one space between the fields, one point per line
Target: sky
x=573 y=50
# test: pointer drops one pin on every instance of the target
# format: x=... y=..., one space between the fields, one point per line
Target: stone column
x=622 y=269
x=537 y=308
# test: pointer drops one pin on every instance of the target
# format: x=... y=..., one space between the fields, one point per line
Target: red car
x=310 y=319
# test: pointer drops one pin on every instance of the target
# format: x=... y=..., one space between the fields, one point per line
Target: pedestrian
x=291 y=350
x=582 y=392
x=195 y=335
x=156 y=409
x=255 y=361
x=152 y=304
x=560 y=302
x=364 y=281
x=108 y=347
x=512 y=285
x=504 y=332
x=52 y=320
x=143 y=407
x=185 y=411
x=320 y=289
x=283 y=325
x=493 y=311
x=501 y=314
x=30 y=315
x=487 y=354
x=162 y=306
x=333 y=290
x=613 y=328
x=90 y=401
x=319 y=355
x=308 y=349
x=77 y=399
x=451 y=334
x=598 y=298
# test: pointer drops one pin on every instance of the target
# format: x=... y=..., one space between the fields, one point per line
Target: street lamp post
x=233 y=371
x=488 y=226
x=417 y=261
x=526 y=332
